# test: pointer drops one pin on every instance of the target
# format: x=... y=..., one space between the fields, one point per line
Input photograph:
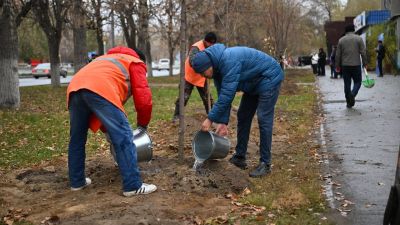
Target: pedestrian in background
x=321 y=62
x=193 y=79
x=348 y=63
x=259 y=77
x=95 y=97
x=314 y=62
x=333 y=60
x=381 y=55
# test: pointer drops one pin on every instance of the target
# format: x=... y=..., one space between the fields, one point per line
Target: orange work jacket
x=107 y=76
x=191 y=76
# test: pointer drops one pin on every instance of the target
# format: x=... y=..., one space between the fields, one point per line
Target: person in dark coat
x=333 y=59
x=259 y=77
x=381 y=55
x=321 y=62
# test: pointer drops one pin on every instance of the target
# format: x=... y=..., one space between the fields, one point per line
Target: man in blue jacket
x=259 y=77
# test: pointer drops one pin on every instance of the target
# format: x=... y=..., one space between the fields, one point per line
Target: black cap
x=211 y=37
x=140 y=54
x=349 y=28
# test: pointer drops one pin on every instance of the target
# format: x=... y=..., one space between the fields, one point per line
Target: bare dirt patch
x=42 y=193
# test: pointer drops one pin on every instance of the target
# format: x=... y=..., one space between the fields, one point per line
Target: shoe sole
x=258 y=176
x=133 y=194
x=240 y=167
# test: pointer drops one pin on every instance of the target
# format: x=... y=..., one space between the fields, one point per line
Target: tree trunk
x=182 y=84
x=143 y=35
x=171 y=60
x=54 y=47
x=99 y=36
x=9 y=83
x=149 y=58
x=79 y=23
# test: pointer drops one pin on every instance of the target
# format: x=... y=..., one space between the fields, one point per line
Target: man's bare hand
x=206 y=125
x=222 y=129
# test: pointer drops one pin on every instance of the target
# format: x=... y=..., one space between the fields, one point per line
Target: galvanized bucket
x=208 y=145
x=144 y=146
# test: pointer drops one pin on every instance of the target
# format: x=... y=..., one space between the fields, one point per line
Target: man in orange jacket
x=95 y=97
x=194 y=79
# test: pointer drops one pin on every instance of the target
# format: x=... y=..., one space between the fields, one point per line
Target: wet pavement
x=362 y=147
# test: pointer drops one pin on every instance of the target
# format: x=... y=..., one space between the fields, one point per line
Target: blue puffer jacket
x=240 y=69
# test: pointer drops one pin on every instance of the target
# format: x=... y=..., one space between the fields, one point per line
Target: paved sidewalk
x=363 y=144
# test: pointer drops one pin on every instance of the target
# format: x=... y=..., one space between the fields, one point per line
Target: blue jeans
x=84 y=103
x=264 y=104
x=348 y=73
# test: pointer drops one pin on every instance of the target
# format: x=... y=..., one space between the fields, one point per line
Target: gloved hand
x=142 y=127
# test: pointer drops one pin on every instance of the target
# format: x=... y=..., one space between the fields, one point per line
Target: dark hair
x=211 y=37
x=380 y=41
x=140 y=54
x=349 y=28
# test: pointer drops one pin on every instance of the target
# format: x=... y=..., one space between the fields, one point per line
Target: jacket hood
x=215 y=52
x=321 y=49
x=123 y=50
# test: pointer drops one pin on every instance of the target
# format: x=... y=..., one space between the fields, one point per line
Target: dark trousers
x=349 y=73
x=203 y=95
x=321 y=68
x=264 y=104
x=380 y=67
x=314 y=67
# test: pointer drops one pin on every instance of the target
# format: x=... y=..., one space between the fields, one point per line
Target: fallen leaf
x=260 y=218
x=324 y=218
x=381 y=183
x=367 y=206
x=244 y=215
x=349 y=202
x=246 y=192
x=270 y=215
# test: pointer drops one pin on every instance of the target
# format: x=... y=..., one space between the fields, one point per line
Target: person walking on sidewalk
x=314 y=62
x=192 y=78
x=259 y=77
x=321 y=62
x=381 y=55
x=333 y=59
x=95 y=97
x=348 y=63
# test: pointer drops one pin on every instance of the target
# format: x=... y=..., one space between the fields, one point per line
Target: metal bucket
x=208 y=145
x=144 y=146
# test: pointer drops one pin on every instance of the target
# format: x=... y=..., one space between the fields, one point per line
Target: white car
x=163 y=64
x=43 y=70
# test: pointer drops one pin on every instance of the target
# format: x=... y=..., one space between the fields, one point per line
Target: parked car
x=154 y=65
x=43 y=70
x=304 y=60
x=163 y=64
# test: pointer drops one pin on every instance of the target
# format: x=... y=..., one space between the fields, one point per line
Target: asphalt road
x=23 y=82
x=362 y=145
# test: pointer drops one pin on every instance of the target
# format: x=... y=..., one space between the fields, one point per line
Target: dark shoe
x=240 y=163
x=352 y=100
x=261 y=170
x=176 y=114
x=380 y=76
x=348 y=106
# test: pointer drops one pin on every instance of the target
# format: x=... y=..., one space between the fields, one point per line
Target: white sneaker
x=143 y=190
x=87 y=183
